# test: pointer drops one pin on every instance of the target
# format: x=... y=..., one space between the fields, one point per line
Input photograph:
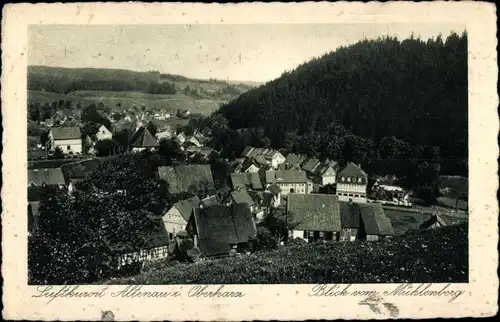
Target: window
x=348 y=179
x=311 y=233
x=321 y=234
x=343 y=178
x=305 y=234
x=69 y=147
x=359 y=180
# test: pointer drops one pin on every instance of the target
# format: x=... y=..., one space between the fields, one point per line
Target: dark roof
x=220 y=226
x=239 y=180
x=255 y=152
x=143 y=139
x=442 y=220
x=374 y=220
x=66 y=133
x=274 y=188
x=349 y=215
x=317 y=212
x=80 y=169
x=244 y=180
x=254 y=179
x=242 y=196
x=186 y=206
x=310 y=165
x=286 y=176
x=50 y=177
x=267 y=198
x=295 y=160
x=188 y=178
x=353 y=171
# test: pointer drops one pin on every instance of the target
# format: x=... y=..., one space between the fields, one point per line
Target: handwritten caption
x=134 y=291
x=220 y=291
x=409 y=290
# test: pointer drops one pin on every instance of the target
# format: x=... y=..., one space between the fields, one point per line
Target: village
x=319 y=200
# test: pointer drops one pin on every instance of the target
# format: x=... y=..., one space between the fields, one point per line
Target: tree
x=58 y=153
x=264 y=240
x=89 y=128
x=105 y=147
x=152 y=128
x=122 y=138
x=44 y=137
x=169 y=150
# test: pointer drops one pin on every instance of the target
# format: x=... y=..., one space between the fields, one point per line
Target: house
x=315 y=217
x=193 y=140
x=166 y=134
x=350 y=219
x=207 y=153
x=46 y=177
x=176 y=218
x=75 y=172
x=68 y=139
x=310 y=165
x=143 y=140
x=289 y=181
x=196 y=179
x=294 y=161
x=327 y=172
x=246 y=180
x=156 y=247
x=218 y=230
x=352 y=183
x=241 y=196
x=274 y=158
x=103 y=133
x=374 y=223
x=437 y=221
x=275 y=191
x=181 y=138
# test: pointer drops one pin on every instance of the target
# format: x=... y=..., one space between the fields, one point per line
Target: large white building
x=352 y=183
x=68 y=139
x=289 y=181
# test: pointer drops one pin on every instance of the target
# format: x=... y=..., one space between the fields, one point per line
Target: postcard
x=279 y=161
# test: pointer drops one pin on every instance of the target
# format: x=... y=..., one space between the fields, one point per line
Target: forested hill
x=66 y=80
x=413 y=92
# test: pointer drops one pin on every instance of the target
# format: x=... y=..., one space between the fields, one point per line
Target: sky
x=257 y=52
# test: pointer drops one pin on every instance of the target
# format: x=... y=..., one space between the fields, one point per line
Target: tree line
x=64 y=81
x=412 y=93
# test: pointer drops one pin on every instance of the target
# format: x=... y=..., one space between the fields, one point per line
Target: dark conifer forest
x=378 y=102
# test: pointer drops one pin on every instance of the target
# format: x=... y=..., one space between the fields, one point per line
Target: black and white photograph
x=208 y=162
x=247 y=154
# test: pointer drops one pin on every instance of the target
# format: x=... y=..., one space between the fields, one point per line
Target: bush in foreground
x=432 y=256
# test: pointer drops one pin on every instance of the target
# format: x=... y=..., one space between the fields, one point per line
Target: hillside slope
x=153 y=90
x=432 y=256
x=413 y=90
